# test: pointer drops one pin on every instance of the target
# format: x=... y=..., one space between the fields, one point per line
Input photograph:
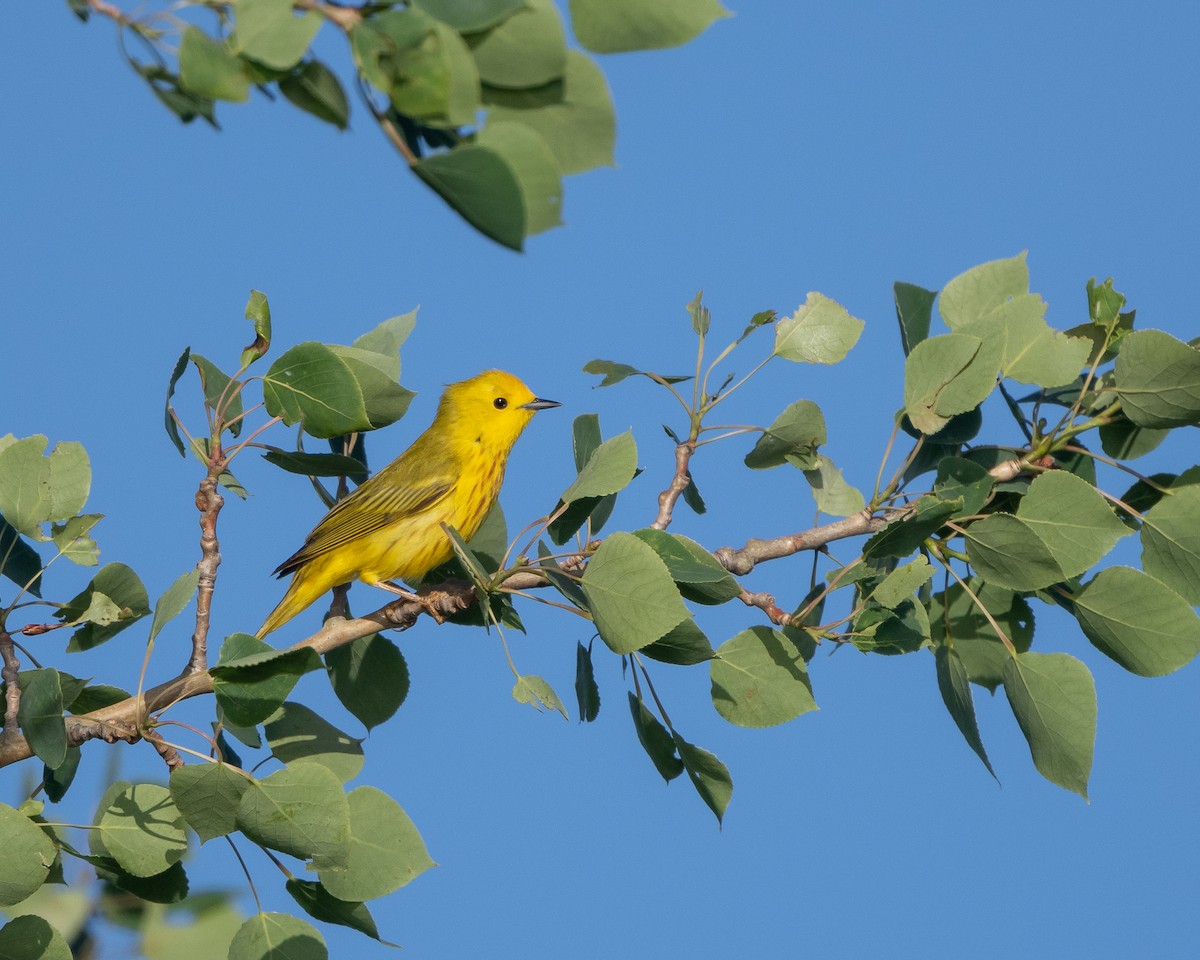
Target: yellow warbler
x=390 y=528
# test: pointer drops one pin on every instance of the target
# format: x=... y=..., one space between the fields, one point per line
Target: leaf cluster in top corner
x=437 y=65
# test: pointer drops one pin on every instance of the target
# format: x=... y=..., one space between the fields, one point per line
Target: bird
x=391 y=527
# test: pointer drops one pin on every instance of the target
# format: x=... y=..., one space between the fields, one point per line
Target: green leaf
x=172 y=603
x=1006 y=551
x=574 y=114
x=277 y=936
x=699 y=314
x=907 y=532
x=1157 y=378
x=961 y=428
x=300 y=811
x=1124 y=440
x=980 y=290
x=958 y=477
x=469 y=16
x=384 y=400
x=820 y=331
x=96 y=697
x=709 y=776
x=170 y=886
x=527 y=49
x=1072 y=519
x=684 y=644
x=208 y=933
x=482 y=188
x=1053 y=698
x=386 y=340
x=208 y=68
x=266 y=32
x=168 y=420
x=914 y=310
x=631 y=594
x=296 y=733
x=1137 y=621
x=880 y=630
x=955 y=619
x=558 y=578
x=217 y=391
x=208 y=796
x=115 y=599
x=252 y=679
x=700 y=577
x=70 y=480
x=538 y=693
x=793 y=437
x=608 y=469
x=616 y=372
x=1171 y=542
x=312 y=386
x=29 y=852
x=370 y=678
x=142 y=830
x=1029 y=350
x=18 y=560
x=833 y=494
x=29 y=937
x=26 y=499
x=955 y=687
x=655 y=740
x=385 y=850
x=57 y=780
x=41 y=715
x=947 y=375
x=618 y=26
x=317 y=464
x=258 y=312
x=167 y=87
x=535 y=167
x=320 y=904
x=72 y=540
x=759 y=679
x=902 y=583
x=587 y=693
x=1061 y=528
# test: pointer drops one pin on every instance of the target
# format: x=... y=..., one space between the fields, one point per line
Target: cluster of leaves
x=1006 y=525
x=1003 y=524
x=427 y=70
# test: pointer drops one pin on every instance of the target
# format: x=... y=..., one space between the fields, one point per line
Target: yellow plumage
x=390 y=528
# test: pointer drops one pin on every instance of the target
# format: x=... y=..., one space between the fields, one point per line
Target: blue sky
x=816 y=146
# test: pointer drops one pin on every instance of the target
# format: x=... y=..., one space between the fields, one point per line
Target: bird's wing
x=387 y=497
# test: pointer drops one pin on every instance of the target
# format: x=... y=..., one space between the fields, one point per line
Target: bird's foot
x=439 y=604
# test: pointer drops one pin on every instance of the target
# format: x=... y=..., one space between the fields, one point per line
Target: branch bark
x=669 y=497
x=209 y=502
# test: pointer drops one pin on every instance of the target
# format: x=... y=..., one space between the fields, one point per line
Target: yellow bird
x=390 y=528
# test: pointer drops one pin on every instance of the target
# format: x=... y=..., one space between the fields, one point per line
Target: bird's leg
x=432 y=604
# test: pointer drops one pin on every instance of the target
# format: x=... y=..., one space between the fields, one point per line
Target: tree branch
x=12 y=697
x=669 y=497
x=741 y=562
x=209 y=503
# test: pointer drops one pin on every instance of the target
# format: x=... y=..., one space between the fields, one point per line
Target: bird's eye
x=499 y=403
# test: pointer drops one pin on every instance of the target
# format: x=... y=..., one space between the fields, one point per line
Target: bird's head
x=492 y=407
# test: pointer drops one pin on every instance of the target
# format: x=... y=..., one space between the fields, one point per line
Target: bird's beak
x=537 y=403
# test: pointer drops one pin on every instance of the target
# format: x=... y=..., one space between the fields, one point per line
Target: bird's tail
x=301 y=593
